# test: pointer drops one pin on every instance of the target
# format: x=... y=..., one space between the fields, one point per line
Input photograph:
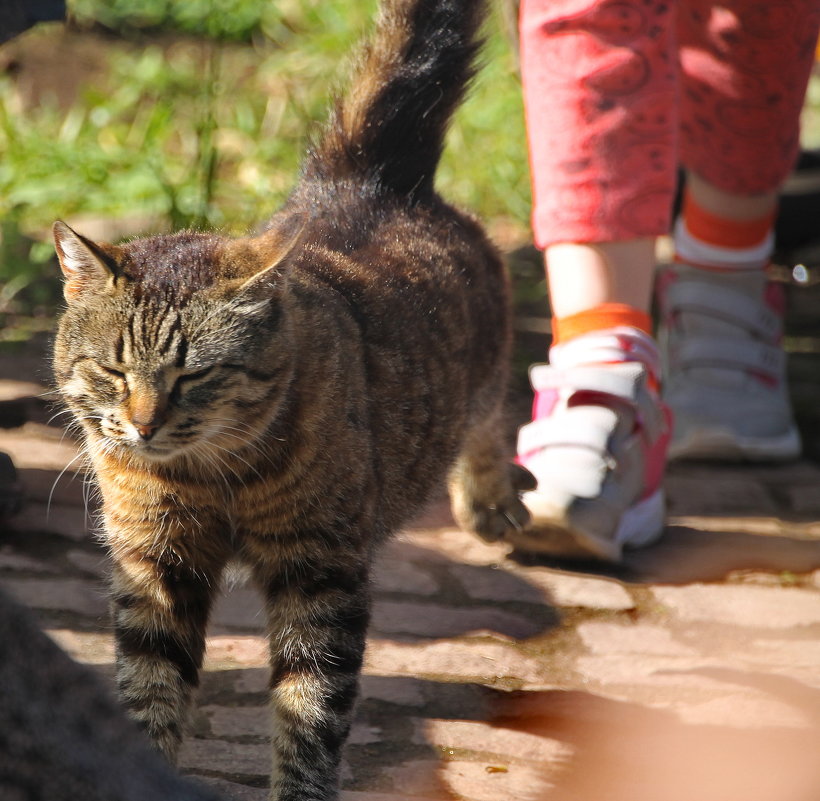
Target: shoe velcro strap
x=623 y=380
x=734 y=354
x=588 y=427
x=726 y=304
x=608 y=346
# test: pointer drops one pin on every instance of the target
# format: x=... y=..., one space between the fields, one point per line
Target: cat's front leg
x=485 y=487
x=160 y=607
x=318 y=619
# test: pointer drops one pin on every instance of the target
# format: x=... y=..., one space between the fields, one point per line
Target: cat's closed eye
x=112 y=372
x=196 y=375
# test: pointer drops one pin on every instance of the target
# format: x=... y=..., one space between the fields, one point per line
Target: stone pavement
x=692 y=671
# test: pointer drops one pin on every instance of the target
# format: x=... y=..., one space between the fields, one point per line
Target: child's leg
x=745 y=66
x=599 y=95
x=599 y=84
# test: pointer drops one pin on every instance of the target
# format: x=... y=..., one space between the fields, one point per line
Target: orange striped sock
x=721 y=232
x=598 y=318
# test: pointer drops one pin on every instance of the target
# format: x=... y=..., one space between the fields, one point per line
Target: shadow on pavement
x=687 y=555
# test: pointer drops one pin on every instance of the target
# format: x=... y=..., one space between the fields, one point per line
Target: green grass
x=212 y=134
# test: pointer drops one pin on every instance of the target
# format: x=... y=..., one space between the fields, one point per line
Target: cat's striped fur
x=291 y=399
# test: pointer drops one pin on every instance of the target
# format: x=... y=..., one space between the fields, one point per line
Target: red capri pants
x=618 y=93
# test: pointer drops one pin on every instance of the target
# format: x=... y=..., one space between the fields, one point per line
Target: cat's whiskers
x=206 y=454
x=212 y=444
x=89 y=486
x=255 y=445
x=257 y=436
x=56 y=480
x=59 y=414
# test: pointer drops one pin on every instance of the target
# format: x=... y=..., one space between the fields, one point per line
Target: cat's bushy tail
x=389 y=128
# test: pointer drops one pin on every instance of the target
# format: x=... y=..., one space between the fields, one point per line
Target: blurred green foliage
x=225 y=19
x=211 y=134
x=198 y=116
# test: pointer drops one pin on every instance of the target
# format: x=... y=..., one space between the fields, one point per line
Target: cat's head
x=168 y=345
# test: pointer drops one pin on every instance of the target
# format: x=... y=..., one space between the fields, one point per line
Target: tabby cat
x=290 y=399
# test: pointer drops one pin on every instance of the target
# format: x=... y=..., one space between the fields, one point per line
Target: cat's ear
x=87 y=267
x=272 y=248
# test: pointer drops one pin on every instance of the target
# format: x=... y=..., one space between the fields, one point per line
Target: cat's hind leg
x=485 y=486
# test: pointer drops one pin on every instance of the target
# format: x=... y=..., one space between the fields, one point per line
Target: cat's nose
x=147 y=421
x=147 y=412
x=146 y=431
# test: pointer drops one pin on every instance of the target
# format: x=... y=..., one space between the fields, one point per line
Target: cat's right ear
x=272 y=249
x=88 y=269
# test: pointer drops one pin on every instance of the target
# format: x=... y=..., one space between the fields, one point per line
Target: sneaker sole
x=721 y=445
x=641 y=525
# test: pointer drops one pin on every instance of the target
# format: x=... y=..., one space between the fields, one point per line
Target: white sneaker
x=597 y=448
x=724 y=368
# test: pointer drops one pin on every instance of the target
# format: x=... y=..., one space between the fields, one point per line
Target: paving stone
x=67 y=521
x=481 y=661
x=255 y=721
x=394 y=575
x=239 y=607
x=59 y=594
x=225 y=653
x=90 y=648
x=13 y=560
x=435 y=620
x=220 y=756
x=495 y=583
x=739 y=605
x=588 y=592
x=232 y=791
x=449 y=545
x=474 y=781
x=37 y=446
x=417 y=777
x=484 y=737
x=644 y=671
x=95 y=562
x=717 y=495
x=794 y=652
x=67 y=488
x=14 y=390
x=540 y=585
x=355 y=795
x=745 y=711
x=797 y=659
x=641 y=638
x=481 y=781
x=238 y=721
x=393 y=690
x=252 y=680
x=804 y=499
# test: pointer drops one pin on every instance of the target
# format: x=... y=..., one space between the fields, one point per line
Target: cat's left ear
x=87 y=267
x=272 y=248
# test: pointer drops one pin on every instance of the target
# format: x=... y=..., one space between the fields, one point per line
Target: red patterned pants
x=618 y=93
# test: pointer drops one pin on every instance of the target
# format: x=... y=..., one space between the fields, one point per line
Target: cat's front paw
x=493 y=510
